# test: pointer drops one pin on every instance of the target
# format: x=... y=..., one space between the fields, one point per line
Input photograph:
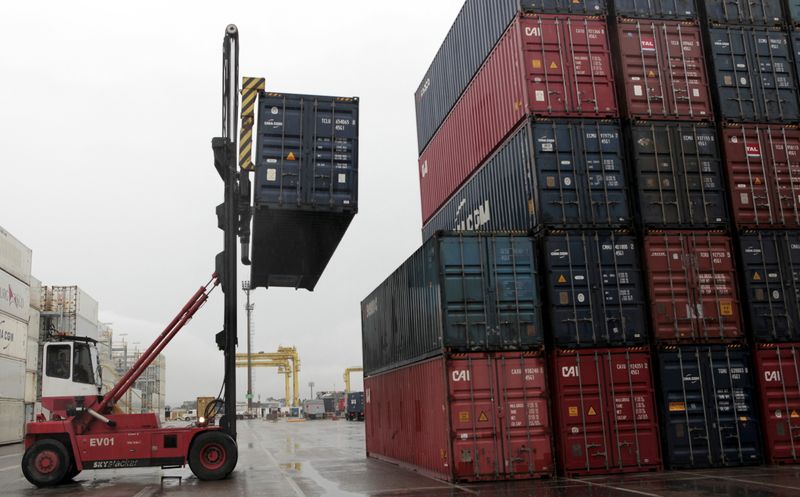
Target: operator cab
x=71 y=368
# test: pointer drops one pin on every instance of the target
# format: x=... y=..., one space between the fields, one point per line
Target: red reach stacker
x=81 y=430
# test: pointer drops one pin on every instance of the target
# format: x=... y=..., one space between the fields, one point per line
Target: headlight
x=201 y=421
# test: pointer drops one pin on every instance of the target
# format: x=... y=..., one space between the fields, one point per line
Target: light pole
x=249 y=308
x=311 y=386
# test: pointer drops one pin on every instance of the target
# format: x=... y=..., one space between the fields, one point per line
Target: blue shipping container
x=559 y=174
x=771 y=272
x=306 y=186
x=595 y=291
x=709 y=409
x=656 y=9
x=458 y=293
x=475 y=32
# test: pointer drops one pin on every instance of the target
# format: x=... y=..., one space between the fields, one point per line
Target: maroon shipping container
x=692 y=284
x=549 y=65
x=605 y=411
x=663 y=69
x=763 y=164
x=463 y=417
x=778 y=374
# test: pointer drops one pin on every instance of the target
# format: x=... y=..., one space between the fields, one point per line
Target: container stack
x=15 y=278
x=754 y=69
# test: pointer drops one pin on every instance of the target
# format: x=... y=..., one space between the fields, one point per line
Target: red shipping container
x=763 y=164
x=692 y=284
x=605 y=411
x=778 y=371
x=463 y=417
x=549 y=65
x=663 y=69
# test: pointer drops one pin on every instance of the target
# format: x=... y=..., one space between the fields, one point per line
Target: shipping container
x=475 y=32
x=36 y=293
x=12 y=421
x=709 y=409
x=15 y=258
x=457 y=292
x=355 y=406
x=778 y=373
x=12 y=378
x=70 y=301
x=306 y=186
x=14 y=298
x=30 y=387
x=13 y=338
x=605 y=411
x=663 y=71
x=656 y=9
x=463 y=417
x=745 y=12
x=692 y=285
x=754 y=74
x=34 y=325
x=548 y=65
x=32 y=355
x=763 y=166
x=556 y=174
x=314 y=409
x=771 y=274
x=793 y=12
x=595 y=292
x=678 y=175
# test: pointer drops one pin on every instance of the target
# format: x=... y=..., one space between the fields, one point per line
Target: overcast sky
x=108 y=110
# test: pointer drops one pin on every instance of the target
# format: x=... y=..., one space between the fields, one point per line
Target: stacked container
x=15 y=277
x=754 y=64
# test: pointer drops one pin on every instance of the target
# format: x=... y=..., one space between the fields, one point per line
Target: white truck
x=314 y=409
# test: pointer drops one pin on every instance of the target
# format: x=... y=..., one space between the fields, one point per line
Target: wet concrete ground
x=326 y=458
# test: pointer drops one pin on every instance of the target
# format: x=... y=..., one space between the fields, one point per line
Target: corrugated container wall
x=12 y=421
x=14 y=297
x=464 y=417
x=13 y=338
x=15 y=258
x=36 y=293
x=605 y=411
x=793 y=12
x=678 y=176
x=555 y=174
x=479 y=25
x=779 y=388
x=457 y=292
x=548 y=65
x=656 y=9
x=709 y=407
x=70 y=301
x=692 y=284
x=595 y=292
x=663 y=70
x=744 y=12
x=12 y=378
x=763 y=166
x=306 y=186
x=754 y=74
x=771 y=274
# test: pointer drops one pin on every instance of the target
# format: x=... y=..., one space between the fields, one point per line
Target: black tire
x=213 y=455
x=46 y=463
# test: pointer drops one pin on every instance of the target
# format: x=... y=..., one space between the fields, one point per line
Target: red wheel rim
x=46 y=462
x=213 y=456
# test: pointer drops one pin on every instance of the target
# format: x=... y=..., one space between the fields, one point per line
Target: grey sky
x=108 y=114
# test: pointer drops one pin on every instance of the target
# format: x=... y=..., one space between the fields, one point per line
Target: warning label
x=537 y=64
x=463 y=416
x=562 y=279
x=483 y=417
x=726 y=308
x=291 y=156
x=592 y=412
x=553 y=65
x=573 y=411
x=677 y=407
x=756 y=276
x=794 y=415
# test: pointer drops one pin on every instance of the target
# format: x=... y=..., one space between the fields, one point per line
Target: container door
x=525 y=421
x=734 y=425
x=671 y=275
x=476 y=437
x=556 y=150
x=779 y=375
x=631 y=409
x=714 y=289
x=582 y=410
x=686 y=423
x=333 y=150
x=771 y=273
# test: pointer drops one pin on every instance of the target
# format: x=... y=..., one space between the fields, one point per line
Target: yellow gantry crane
x=354 y=369
x=286 y=360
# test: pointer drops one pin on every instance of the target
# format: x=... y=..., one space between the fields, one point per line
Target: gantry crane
x=283 y=354
x=284 y=368
x=354 y=369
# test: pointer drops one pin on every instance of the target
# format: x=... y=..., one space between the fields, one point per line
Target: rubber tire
x=220 y=439
x=58 y=475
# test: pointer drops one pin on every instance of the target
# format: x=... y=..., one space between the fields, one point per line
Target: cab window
x=58 y=361
x=82 y=370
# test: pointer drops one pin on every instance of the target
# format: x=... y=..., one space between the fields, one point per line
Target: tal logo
x=648 y=44
x=753 y=150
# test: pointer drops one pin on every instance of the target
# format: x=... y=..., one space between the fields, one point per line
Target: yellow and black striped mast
x=250 y=90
